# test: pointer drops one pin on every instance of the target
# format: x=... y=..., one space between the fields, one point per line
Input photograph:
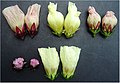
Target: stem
x=94 y=35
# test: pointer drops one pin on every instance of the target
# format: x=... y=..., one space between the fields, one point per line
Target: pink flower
x=93 y=20
x=15 y=18
x=32 y=19
x=18 y=63
x=110 y=14
x=34 y=62
x=91 y=10
x=108 y=23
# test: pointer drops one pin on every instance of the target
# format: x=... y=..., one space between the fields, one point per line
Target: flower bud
x=93 y=20
x=32 y=19
x=15 y=19
x=72 y=21
x=108 y=23
x=55 y=19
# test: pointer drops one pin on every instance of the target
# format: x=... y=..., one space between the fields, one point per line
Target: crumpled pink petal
x=18 y=63
x=34 y=62
x=91 y=10
x=110 y=14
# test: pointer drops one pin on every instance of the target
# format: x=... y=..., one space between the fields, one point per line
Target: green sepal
x=68 y=35
x=106 y=34
x=51 y=77
x=57 y=34
x=66 y=76
x=94 y=32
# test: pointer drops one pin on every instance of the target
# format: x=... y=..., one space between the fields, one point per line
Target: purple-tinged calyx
x=108 y=23
x=93 y=20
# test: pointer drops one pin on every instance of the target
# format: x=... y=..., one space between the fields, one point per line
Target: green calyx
x=106 y=33
x=66 y=76
x=68 y=35
x=57 y=34
x=52 y=77
x=94 y=31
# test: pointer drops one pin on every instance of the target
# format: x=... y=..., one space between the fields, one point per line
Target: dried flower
x=32 y=19
x=93 y=21
x=108 y=23
x=15 y=19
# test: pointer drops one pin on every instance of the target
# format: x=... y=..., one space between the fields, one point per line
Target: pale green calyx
x=50 y=61
x=72 y=21
x=55 y=19
x=69 y=56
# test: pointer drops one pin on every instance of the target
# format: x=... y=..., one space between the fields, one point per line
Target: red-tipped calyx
x=20 y=33
x=109 y=21
x=15 y=18
x=97 y=26
x=32 y=19
x=32 y=31
x=93 y=20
